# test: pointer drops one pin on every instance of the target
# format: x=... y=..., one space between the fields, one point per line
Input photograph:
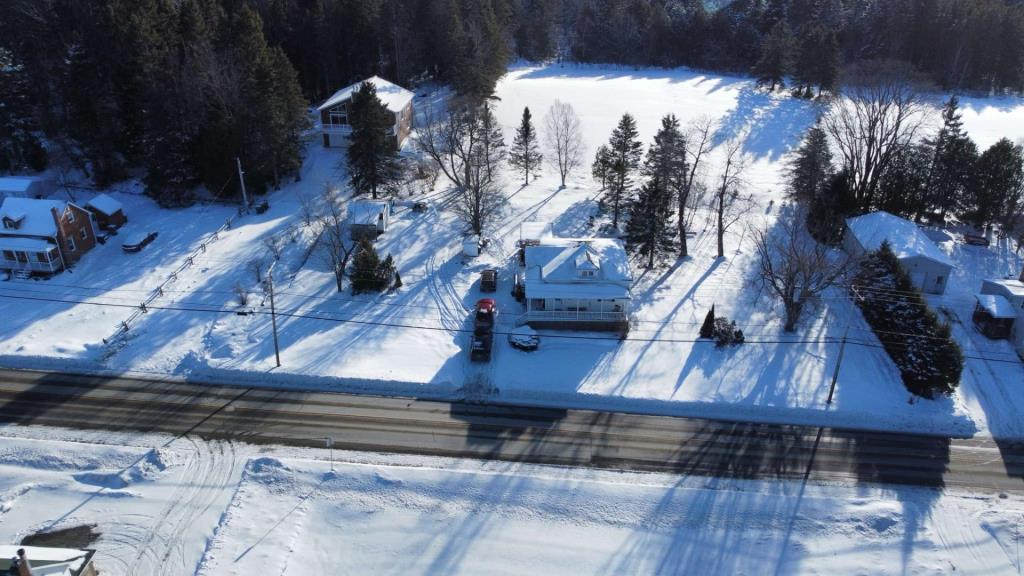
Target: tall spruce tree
x=20 y=148
x=953 y=160
x=810 y=168
x=525 y=153
x=666 y=163
x=601 y=168
x=372 y=158
x=996 y=190
x=817 y=61
x=649 y=230
x=625 y=151
x=776 y=57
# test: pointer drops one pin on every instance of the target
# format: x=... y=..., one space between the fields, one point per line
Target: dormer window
x=71 y=216
x=586 y=273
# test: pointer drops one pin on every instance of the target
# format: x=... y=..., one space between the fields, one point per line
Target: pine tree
x=649 y=231
x=811 y=167
x=707 y=329
x=817 y=61
x=995 y=192
x=776 y=55
x=954 y=156
x=601 y=168
x=372 y=158
x=19 y=146
x=625 y=151
x=525 y=153
x=369 y=273
x=666 y=162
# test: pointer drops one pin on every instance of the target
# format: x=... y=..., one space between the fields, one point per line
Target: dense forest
x=179 y=88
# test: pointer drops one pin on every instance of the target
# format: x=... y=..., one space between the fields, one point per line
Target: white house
x=25 y=187
x=43 y=236
x=576 y=283
x=1013 y=293
x=369 y=218
x=334 y=112
x=928 y=266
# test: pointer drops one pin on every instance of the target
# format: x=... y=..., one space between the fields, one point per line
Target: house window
x=71 y=216
x=85 y=234
x=71 y=244
x=9 y=255
x=938 y=280
x=337 y=118
x=41 y=257
x=586 y=273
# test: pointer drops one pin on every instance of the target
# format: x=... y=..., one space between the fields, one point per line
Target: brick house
x=43 y=236
x=334 y=112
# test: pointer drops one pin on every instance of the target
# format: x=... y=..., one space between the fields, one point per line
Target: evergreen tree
x=525 y=153
x=19 y=146
x=995 y=192
x=707 y=329
x=776 y=55
x=817 y=61
x=368 y=272
x=601 y=168
x=904 y=185
x=810 y=168
x=625 y=151
x=649 y=231
x=954 y=156
x=666 y=163
x=372 y=159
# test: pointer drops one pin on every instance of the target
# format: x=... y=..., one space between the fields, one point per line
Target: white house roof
x=393 y=96
x=552 y=269
x=16 y=184
x=24 y=244
x=1012 y=287
x=905 y=238
x=35 y=216
x=366 y=211
x=996 y=305
x=105 y=205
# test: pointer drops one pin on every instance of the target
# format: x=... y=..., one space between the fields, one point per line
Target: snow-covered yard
x=187 y=506
x=415 y=341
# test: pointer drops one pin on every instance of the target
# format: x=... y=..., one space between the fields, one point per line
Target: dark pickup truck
x=483 y=341
x=489 y=280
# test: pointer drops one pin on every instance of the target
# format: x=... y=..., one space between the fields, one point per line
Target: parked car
x=137 y=243
x=489 y=280
x=975 y=240
x=419 y=206
x=262 y=207
x=483 y=341
x=524 y=338
x=486 y=310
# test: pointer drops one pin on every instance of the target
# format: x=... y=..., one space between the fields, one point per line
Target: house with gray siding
x=926 y=264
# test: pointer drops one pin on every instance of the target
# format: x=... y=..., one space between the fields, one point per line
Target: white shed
x=1013 y=292
x=25 y=187
x=928 y=266
x=369 y=218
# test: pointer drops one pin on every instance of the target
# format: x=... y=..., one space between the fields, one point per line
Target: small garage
x=108 y=213
x=994 y=316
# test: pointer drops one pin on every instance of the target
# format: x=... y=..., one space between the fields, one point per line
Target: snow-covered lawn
x=415 y=341
x=177 y=507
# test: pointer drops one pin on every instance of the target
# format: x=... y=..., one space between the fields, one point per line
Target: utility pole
x=273 y=311
x=245 y=197
x=842 y=348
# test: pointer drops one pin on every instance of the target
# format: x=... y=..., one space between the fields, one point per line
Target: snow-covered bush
x=919 y=344
x=726 y=333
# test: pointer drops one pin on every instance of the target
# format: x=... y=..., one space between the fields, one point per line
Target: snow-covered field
x=187 y=506
x=414 y=341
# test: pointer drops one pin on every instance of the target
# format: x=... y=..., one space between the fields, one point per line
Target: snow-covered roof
x=366 y=212
x=25 y=244
x=16 y=184
x=105 y=205
x=905 y=238
x=47 y=561
x=553 y=269
x=35 y=216
x=996 y=305
x=1010 y=286
x=394 y=97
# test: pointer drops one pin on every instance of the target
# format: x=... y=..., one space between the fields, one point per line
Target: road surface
x=514 y=433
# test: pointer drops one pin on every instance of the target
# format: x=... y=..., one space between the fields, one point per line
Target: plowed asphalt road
x=515 y=433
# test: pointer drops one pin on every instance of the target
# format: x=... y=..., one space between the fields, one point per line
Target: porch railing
x=570 y=316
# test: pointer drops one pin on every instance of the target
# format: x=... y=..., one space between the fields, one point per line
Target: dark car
x=486 y=310
x=138 y=243
x=489 y=280
x=975 y=240
x=483 y=341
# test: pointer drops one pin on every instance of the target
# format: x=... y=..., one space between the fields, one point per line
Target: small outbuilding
x=994 y=316
x=926 y=264
x=368 y=218
x=1012 y=291
x=25 y=187
x=47 y=561
x=108 y=213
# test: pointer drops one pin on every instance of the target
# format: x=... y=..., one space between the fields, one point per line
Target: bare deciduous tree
x=794 y=267
x=255 y=266
x=335 y=242
x=729 y=204
x=564 y=138
x=468 y=147
x=878 y=115
x=698 y=142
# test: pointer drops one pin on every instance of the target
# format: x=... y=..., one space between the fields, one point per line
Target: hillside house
x=1011 y=295
x=108 y=213
x=926 y=264
x=334 y=112
x=576 y=283
x=368 y=218
x=43 y=236
x=25 y=187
